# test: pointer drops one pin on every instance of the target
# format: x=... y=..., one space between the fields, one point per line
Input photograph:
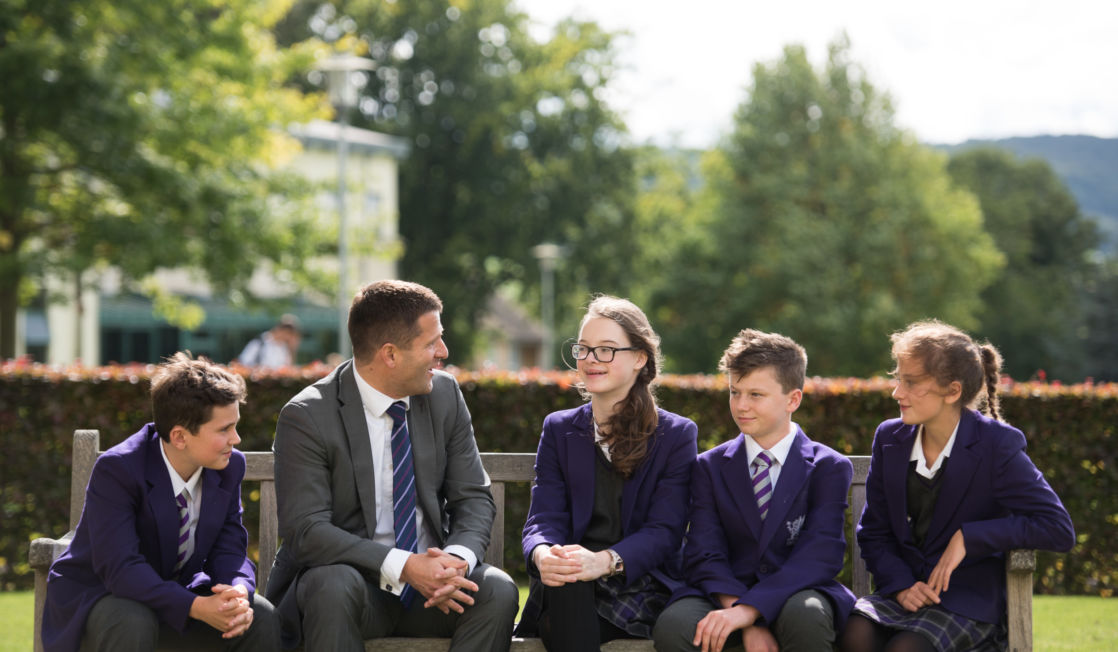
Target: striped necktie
x=403 y=488
x=184 y=528
x=762 y=487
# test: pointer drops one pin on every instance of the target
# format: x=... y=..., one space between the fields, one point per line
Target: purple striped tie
x=403 y=488
x=184 y=529
x=762 y=487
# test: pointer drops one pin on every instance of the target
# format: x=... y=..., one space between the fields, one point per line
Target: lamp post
x=343 y=88
x=549 y=254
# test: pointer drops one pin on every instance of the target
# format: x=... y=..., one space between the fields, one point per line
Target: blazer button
x=764 y=569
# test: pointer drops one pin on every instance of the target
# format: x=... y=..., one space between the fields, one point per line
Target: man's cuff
x=465 y=553
x=391 y=569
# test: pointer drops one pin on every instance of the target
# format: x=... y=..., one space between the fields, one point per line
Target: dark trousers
x=805 y=624
x=122 y=624
x=341 y=609
x=569 y=620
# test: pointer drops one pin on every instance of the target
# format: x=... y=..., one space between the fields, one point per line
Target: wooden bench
x=502 y=468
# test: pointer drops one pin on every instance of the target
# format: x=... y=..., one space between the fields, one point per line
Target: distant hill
x=1088 y=165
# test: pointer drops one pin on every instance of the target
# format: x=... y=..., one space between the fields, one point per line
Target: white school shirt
x=379 y=422
x=778 y=453
x=194 y=489
x=917 y=454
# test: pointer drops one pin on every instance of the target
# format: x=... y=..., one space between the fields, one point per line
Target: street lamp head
x=341 y=84
x=549 y=253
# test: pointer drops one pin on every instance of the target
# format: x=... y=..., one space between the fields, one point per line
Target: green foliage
x=1034 y=310
x=512 y=146
x=1071 y=432
x=823 y=221
x=143 y=135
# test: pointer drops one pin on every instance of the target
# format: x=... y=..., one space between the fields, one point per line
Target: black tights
x=864 y=635
x=569 y=620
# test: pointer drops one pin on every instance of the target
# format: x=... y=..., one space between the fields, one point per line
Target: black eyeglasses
x=601 y=353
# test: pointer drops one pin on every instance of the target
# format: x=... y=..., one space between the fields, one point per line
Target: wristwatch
x=616 y=563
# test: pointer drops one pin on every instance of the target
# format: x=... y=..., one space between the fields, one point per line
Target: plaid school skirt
x=948 y=631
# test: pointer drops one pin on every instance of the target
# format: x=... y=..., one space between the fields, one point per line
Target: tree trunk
x=9 y=304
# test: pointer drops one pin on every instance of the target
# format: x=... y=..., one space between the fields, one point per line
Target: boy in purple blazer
x=767 y=512
x=159 y=553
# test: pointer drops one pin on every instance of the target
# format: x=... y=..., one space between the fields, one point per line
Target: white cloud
x=956 y=69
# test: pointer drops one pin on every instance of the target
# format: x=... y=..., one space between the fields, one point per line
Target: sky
x=956 y=69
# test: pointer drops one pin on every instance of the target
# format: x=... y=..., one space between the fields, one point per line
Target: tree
x=512 y=146
x=821 y=220
x=142 y=135
x=1034 y=311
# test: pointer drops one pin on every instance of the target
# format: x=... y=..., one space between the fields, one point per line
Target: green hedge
x=1071 y=432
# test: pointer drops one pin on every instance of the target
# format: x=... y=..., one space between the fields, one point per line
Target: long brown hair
x=632 y=424
x=948 y=354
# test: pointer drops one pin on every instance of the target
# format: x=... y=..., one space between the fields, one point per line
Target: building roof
x=320 y=133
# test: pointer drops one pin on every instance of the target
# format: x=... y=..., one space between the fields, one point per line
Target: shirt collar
x=779 y=451
x=375 y=401
x=177 y=483
x=917 y=454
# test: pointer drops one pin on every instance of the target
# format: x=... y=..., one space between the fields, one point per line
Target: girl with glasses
x=609 y=508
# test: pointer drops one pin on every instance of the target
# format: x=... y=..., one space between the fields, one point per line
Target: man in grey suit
x=364 y=555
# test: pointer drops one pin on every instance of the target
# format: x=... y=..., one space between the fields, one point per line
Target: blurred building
x=511 y=339
x=99 y=322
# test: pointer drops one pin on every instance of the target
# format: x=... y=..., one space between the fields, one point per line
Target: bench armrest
x=43 y=553
x=1019 y=567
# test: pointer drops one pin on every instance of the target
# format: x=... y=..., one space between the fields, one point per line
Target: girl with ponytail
x=609 y=507
x=950 y=490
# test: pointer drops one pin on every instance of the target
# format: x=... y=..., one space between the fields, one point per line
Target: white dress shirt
x=379 y=422
x=778 y=453
x=917 y=454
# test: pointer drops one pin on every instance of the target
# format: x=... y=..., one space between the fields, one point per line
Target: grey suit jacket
x=325 y=482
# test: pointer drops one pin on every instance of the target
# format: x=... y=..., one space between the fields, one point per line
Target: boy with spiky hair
x=767 y=513
x=159 y=555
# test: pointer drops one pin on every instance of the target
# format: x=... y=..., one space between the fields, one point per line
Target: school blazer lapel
x=738 y=483
x=160 y=502
x=793 y=475
x=352 y=412
x=958 y=470
x=579 y=465
x=211 y=513
x=894 y=457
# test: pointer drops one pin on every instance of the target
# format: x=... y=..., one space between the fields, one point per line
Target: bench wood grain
x=502 y=468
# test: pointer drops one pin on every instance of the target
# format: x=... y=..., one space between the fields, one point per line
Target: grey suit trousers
x=341 y=609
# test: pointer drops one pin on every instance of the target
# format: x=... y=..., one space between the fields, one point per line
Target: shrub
x=1071 y=432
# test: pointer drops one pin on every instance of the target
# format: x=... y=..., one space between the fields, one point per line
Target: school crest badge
x=794 y=529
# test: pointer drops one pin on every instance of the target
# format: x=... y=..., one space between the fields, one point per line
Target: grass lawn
x=1060 y=624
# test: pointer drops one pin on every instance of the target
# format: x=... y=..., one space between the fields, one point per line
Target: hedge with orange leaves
x=1072 y=433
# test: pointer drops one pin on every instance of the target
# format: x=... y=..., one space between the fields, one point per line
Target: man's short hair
x=388 y=311
x=751 y=350
x=184 y=392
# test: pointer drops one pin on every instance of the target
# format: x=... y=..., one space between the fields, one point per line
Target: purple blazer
x=991 y=490
x=800 y=545
x=126 y=542
x=653 y=501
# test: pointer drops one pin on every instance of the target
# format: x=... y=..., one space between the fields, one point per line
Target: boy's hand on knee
x=227 y=612
x=756 y=638
x=713 y=630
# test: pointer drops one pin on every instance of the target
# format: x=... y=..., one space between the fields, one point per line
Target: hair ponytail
x=991 y=366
